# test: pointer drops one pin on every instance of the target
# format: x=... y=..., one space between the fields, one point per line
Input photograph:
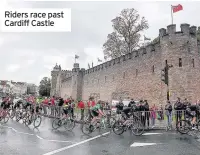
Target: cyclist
x=192 y=111
x=66 y=110
x=132 y=107
x=96 y=112
x=4 y=104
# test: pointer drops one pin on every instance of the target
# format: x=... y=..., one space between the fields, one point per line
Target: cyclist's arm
x=101 y=112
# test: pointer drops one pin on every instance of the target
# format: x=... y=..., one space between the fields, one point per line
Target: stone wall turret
x=180 y=50
x=55 y=80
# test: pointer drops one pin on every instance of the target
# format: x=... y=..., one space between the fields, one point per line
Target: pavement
x=17 y=139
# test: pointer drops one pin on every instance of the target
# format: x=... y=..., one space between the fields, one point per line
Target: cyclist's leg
x=94 y=116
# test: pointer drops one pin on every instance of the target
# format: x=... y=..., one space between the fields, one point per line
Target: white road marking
x=76 y=144
x=60 y=141
x=142 y=144
x=13 y=129
x=39 y=137
x=36 y=135
x=146 y=134
x=25 y=133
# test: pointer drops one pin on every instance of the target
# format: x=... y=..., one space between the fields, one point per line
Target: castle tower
x=77 y=78
x=55 y=84
x=180 y=50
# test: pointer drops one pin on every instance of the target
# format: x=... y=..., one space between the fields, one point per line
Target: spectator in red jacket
x=46 y=101
x=53 y=101
x=91 y=102
x=81 y=105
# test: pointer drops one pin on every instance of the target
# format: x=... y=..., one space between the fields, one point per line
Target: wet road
x=17 y=139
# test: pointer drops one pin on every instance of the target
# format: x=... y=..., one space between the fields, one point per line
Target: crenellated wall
x=138 y=74
x=131 y=76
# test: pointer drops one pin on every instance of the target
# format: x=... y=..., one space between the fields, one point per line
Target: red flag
x=177 y=8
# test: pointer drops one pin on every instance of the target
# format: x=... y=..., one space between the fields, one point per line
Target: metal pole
x=172 y=14
x=167 y=70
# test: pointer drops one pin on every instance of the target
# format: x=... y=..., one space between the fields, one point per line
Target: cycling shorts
x=192 y=114
x=37 y=109
x=66 y=111
x=94 y=113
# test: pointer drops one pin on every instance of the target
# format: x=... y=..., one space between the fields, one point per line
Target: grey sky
x=31 y=56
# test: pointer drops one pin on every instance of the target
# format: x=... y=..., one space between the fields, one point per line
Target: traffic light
x=164 y=75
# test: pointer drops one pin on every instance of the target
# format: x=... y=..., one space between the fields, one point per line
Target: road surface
x=17 y=139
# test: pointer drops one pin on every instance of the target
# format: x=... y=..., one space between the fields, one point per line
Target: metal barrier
x=57 y=111
x=161 y=119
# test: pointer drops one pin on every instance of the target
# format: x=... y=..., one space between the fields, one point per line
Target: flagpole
x=172 y=13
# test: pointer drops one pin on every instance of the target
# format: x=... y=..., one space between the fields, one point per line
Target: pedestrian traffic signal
x=164 y=75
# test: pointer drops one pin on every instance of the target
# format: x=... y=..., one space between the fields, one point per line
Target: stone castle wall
x=66 y=88
x=137 y=75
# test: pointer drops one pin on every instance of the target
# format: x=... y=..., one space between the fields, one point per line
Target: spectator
x=46 y=101
x=91 y=102
x=160 y=113
x=72 y=107
x=119 y=106
x=132 y=103
x=81 y=106
x=147 y=114
x=142 y=112
x=52 y=101
x=153 y=115
x=178 y=106
x=168 y=108
x=60 y=104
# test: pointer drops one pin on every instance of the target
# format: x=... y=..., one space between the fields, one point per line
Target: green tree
x=45 y=87
x=126 y=33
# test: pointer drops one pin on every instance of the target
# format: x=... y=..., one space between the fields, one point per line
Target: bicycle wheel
x=5 y=119
x=12 y=114
x=104 y=127
x=87 y=128
x=18 y=116
x=111 y=122
x=37 y=121
x=137 y=128
x=28 y=120
x=118 y=127
x=69 y=124
x=198 y=125
x=183 y=126
x=56 y=123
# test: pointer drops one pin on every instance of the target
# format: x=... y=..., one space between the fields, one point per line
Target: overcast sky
x=27 y=57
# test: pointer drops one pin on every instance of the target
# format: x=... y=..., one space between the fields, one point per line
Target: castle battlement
x=186 y=29
x=149 y=49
